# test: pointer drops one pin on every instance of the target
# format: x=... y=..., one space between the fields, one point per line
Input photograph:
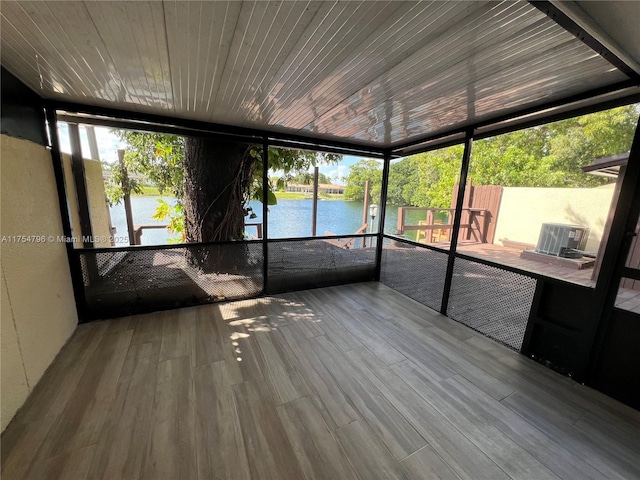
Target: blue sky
x=338 y=172
x=108 y=144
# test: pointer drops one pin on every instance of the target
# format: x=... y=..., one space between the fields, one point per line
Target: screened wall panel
x=491 y=300
x=313 y=263
x=417 y=272
x=139 y=280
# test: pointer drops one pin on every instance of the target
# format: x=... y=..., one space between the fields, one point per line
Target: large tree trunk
x=217 y=175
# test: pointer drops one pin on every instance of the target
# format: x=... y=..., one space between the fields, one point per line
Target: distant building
x=326 y=188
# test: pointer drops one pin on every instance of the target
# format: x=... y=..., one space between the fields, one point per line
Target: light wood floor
x=346 y=382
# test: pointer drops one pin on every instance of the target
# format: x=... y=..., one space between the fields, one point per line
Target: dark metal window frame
x=84 y=114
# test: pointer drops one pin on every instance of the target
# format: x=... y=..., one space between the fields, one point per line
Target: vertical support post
x=400 y=227
x=525 y=348
x=127 y=198
x=365 y=210
x=314 y=214
x=455 y=230
x=382 y=212
x=93 y=142
x=74 y=261
x=80 y=181
x=467 y=205
x=79 y=178
x=265 y=213
x=623 y=225
x=607 y=224
x=428 y=234
x=95 y=155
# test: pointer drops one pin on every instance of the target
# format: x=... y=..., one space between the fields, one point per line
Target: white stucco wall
x=98 y=209
x=14 y=381
x=523 y=210
x=71 y=199
x=38 y=307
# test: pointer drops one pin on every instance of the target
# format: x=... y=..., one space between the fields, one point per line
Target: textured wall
x=97 y=201
x=523 y=210
x=38 y=306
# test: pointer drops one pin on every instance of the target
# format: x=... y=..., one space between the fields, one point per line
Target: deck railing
x=140 y=278
x=138 y=230
x=474 y=226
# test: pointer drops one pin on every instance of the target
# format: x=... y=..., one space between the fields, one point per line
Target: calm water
x=143 y=208
x=289 y=218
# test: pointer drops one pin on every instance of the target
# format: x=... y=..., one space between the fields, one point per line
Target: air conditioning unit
x=562 y=240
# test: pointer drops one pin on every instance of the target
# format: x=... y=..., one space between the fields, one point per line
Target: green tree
x=425 y=179
x=306 y=178
x=221 y=177
x=511 y=165
x=437 y=173
x=212 y=179
x=157 y=157
x=359 y=173
x=403 y=181
x=544 y=156
x=551 y=155
x=588 y=137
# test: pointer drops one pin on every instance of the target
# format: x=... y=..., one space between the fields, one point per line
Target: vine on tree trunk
x=217 y=177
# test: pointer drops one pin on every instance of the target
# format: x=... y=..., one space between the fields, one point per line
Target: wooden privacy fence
x=480 y=208
x=484 y=197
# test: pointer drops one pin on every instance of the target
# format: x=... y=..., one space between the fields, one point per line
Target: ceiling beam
x=544 y=113
x=524 y=118
x=81 y=113
x=552 y=11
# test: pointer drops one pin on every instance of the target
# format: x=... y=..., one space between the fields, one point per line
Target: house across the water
x=326 y=188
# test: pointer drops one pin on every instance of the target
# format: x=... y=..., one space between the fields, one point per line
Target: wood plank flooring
x=350 y=382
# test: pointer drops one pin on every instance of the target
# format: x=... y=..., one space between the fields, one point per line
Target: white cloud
x=336 y=173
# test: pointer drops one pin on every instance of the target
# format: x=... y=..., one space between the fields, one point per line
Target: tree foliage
x=306 y=178
x=155 y=157
x=161 y=160
x=359 y=173
x=174 y=214
x=292 y=165
x=545 y=156
x=551 y=155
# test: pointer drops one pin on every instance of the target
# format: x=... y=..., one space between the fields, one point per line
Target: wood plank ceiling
x=372 y=73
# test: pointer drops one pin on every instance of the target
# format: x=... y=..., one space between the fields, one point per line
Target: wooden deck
x=350 y=382
x=511 y=257
x=628 y=298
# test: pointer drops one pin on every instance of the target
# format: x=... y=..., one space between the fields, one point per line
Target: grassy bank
x=148 y=192
x=302 y=196
x=153 y=192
